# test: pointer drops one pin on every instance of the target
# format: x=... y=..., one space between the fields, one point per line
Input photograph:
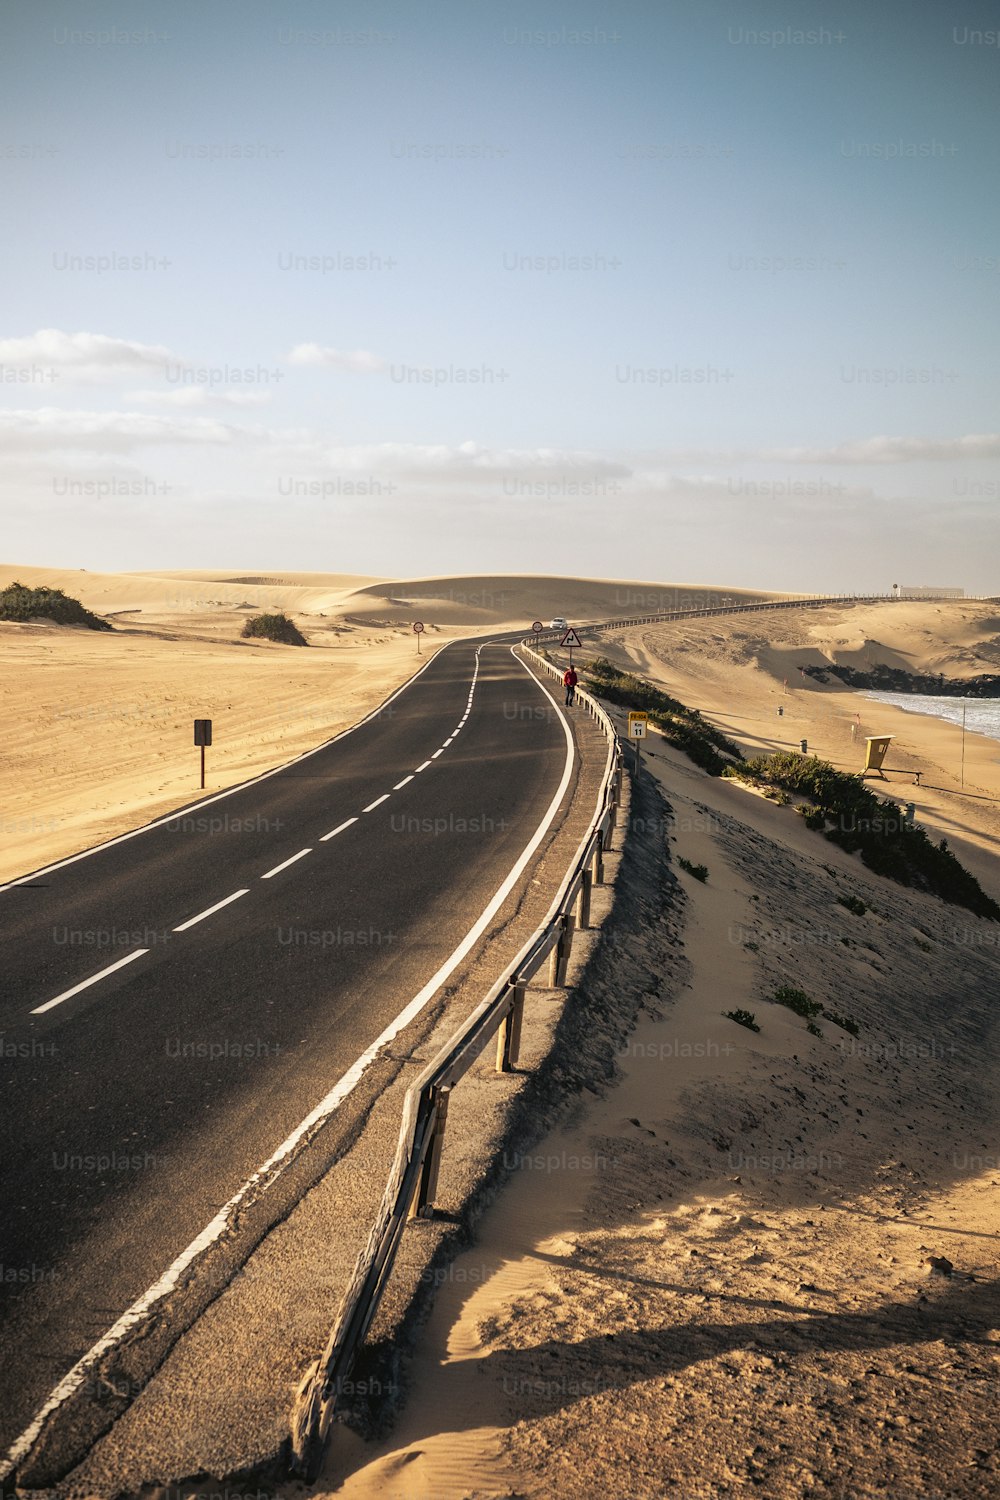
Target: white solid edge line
x=230 y=791
x=41 y=1009
x=284 y=866
x=312 y=1122
x=217 y=907
x=339 y=829
x=422 y=768
x=377 y=803
x=400 y=784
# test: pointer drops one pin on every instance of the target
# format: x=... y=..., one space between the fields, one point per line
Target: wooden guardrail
x=412 y=1186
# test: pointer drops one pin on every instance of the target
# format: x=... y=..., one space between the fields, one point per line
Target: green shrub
x=871 y=826
x=796 y=1000
x=700 y=872
x=813 y=1029
x=18 y=602
x=275 y=628
x=844 y=1022
x=683 y=727
x=742 y=1018
x=854 y=904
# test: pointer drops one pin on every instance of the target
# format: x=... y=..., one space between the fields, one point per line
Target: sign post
x=569 y=640
x=637 y=725
x=418 y=630
x=203 y=737
x=536 y=629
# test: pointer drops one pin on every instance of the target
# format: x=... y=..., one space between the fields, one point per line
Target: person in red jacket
x=570 y=680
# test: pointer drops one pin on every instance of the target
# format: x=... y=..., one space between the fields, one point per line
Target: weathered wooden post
x=509 y=1035
x=559 y=955
x=597 y=860
x=423 y=1203
x=583 y=901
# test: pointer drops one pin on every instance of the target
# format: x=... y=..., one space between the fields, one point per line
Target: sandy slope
x=520 y=598
x=722 y=1283
x=99 y=725
x=739 y=670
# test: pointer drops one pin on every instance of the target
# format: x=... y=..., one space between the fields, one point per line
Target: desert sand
x=765 y=1263
x=100 y=725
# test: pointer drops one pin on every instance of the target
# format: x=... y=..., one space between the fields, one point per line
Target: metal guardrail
x=412 y=1186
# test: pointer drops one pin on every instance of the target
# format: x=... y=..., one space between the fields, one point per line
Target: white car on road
x=558 y=623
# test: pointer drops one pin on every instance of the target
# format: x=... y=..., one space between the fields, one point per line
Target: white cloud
x=83 y=356
x=192 y=396
x=52 y=427
x=318 y=354
x=873 y=450
x=449 y=463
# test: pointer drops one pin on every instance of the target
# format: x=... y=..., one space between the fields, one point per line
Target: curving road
x=175 y=1004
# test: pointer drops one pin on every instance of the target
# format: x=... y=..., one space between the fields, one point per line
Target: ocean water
x=982 y=715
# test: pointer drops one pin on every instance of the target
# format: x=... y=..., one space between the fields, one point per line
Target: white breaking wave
x=982 y=715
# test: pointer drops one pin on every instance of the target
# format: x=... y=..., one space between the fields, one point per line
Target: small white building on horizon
x=925 y=591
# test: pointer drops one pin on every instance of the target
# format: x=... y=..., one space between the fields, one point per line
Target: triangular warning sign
x=571 y=639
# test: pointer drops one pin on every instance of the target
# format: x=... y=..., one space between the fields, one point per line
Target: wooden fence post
x=509 y=1035
x=423 y=1205
x=559 y=956
x=583 y=901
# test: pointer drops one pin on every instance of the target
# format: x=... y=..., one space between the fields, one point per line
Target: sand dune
x=740 y=669
x=104 y=721
x=518 y=599
x=193 y=592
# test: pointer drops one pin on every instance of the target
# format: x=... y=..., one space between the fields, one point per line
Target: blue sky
x=698 y=290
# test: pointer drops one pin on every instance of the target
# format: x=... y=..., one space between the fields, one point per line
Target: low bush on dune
x=275 y=628
x=18 y=602
x=684 y=727
x=742 y=1018
x=861 y=822
x=849 y=814
x=796 y=1000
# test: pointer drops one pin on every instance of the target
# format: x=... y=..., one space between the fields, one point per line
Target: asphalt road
x=137 y=1101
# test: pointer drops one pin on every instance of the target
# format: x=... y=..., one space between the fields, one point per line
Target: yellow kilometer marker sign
x=637 y=723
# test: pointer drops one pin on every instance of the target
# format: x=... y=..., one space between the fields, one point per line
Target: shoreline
x=986 y=707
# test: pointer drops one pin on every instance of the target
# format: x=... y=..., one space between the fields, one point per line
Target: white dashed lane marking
x=339 y=829
x=209 y=910
x=66 y=994
x=285 y=863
